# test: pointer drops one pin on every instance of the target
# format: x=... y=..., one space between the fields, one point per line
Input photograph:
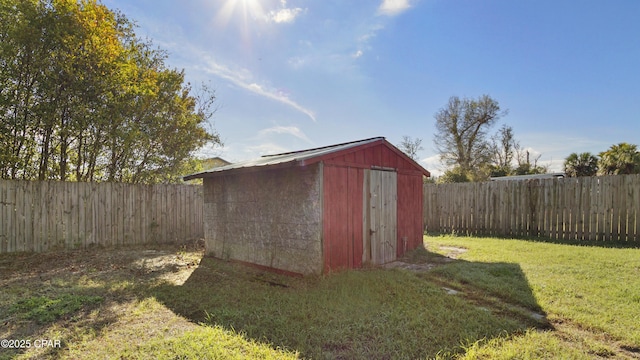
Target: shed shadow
x=501 y=286
x=368 y=313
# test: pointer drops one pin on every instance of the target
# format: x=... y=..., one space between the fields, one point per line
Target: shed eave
x=306 y=157
x=241 y=170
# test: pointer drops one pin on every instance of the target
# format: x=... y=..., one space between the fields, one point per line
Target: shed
x=315 y=210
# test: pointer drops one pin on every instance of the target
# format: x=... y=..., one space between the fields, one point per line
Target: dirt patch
x=408 y=266
x=163 y=260
x=119 y=277
x=423 y=260
x=453 y=252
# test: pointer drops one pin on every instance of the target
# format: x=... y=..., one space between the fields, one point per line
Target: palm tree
x=620 y=159
x=584 y=164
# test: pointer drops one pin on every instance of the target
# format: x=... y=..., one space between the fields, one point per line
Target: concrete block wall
x=270 y=218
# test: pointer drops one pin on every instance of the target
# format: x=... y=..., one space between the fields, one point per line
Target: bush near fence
x=47 y=215
x=602 y=208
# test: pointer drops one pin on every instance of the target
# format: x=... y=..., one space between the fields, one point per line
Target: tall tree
x=82 y=98
x=411 y=146
x=622 y=158
x=503 y=151
x=583 y=164
x=461 y=132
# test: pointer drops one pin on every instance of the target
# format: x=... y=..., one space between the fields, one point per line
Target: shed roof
x=303 y=157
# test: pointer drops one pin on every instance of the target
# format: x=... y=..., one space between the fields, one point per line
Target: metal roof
x=284 y=158
x=528 y=177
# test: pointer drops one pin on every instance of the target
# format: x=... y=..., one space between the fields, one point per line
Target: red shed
x=316 y=210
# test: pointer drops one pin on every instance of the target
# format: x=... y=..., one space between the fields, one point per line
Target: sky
x=297 y=74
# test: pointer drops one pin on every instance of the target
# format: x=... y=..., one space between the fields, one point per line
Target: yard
x=463 y=297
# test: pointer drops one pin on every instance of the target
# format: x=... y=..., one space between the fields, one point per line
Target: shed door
x=380 y=220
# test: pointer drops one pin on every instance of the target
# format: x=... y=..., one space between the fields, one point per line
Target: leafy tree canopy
x=622 y=158
x=461 y=132
x=454 y=175
x=83 y=99
x=583 y=164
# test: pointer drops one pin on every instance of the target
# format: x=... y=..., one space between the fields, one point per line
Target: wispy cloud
x=243 y=79
x=362 y=41
x=290 y=130
x=264 y=149
x=393 y=7
x=277 y=96
x=285 y=14
x=175 y=41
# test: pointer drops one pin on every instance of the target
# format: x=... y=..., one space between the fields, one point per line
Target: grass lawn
x=463 y=298
x=590 y=294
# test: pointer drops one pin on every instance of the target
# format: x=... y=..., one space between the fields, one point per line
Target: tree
x=503 y=146
x=622 y=158
x=411 y=146
x=82 y=98
x=525 y=166
x=461 y=131
x=454 y=175
x=584 y=164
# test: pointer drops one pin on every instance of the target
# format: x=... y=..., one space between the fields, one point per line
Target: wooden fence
x=603 y=208
x=46 y=215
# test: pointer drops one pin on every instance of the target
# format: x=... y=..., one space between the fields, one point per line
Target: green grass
x=515 y=299
x=352 y=314
x=43 y=309
x=591 y=294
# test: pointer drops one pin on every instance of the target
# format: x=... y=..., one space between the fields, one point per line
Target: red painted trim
x=406 y=158
x=336 y=163
x=377 y=159
x=344 y=152
x=410 y=172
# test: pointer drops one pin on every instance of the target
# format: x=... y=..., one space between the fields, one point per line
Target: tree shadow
x=75 y=288
x=439 y=307
x=434 y=306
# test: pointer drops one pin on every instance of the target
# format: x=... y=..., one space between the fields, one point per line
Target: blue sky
x=296 y=74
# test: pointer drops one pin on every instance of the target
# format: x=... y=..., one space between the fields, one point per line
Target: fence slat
x=603 y=208
x=44 y=215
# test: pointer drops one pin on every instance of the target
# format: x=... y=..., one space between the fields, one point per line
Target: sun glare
x=243 y=11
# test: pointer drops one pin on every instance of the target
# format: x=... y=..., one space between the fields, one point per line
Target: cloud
x=362 y=41
x=284 y=15
x=393 y=7
x=264 y=149
x=296 y=62
x=242 y=78
x=433 y=164
x=290 y=130
x=277 y=96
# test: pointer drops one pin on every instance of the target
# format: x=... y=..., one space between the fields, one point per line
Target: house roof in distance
x=529 y=177
x=301 y=157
